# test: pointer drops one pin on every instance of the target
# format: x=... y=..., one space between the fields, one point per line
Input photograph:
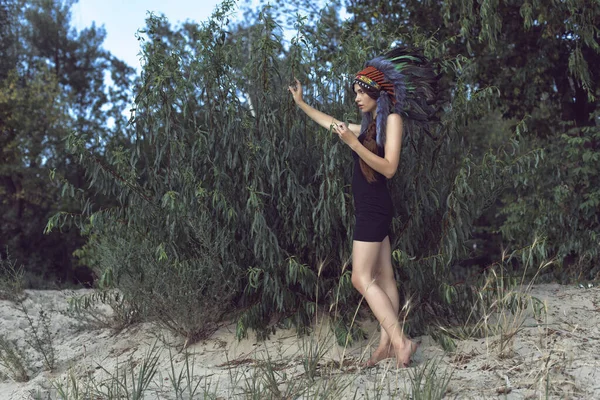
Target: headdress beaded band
x=373 y=78
x=367 y=82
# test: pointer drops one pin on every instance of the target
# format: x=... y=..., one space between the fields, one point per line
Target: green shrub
x=560 y=201
x=229 y=199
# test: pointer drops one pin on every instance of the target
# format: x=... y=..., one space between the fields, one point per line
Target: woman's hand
x=346 y=134
x=296 y=90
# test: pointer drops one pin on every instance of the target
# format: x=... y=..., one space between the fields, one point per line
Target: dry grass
x=13 y=360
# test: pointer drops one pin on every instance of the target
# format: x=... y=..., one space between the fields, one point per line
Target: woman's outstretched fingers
x=296 y=90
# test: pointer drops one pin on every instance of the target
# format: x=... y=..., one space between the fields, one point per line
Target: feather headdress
x=404 y=82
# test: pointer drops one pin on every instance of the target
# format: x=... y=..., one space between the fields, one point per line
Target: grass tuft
x=13 y=359
x=183 y=381
x=428 y=382
x=126 y=382
x=12 y=282
x=39 y=336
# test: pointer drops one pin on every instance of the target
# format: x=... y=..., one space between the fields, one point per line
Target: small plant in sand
x=428 y=381
x=11 y=279
x=129 y=381
x=272 y=381
x=13 y=360
x=546 y=372
x=132 y=379
x=313 y=348
x=268 y=379
x=501 y=305
x=183 y=381
x=510 y=306
x=281 y=379
x=72 y=388
x=39 y=336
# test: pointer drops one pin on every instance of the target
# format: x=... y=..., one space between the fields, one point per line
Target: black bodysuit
x=372 y=203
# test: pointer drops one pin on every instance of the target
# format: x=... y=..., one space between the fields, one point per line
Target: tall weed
x=11 y=279
x=40 y=336
x=13 y=360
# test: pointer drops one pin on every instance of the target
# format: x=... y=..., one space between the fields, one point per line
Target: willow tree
x=51 y=81
x=232 y=203
x=543 y=59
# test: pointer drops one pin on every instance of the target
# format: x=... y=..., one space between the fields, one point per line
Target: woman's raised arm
x=319 y=117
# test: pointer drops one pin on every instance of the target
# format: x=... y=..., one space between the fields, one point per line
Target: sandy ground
x=556 y=355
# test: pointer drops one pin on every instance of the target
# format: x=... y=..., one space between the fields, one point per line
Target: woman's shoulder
x=394 y=117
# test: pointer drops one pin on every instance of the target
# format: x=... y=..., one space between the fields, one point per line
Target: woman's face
x=365 y=102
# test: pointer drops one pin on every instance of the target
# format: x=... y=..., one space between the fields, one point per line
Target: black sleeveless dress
x=372 y=203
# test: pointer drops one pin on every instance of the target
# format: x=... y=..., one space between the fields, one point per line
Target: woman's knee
x=362 y=281
x=359 y=281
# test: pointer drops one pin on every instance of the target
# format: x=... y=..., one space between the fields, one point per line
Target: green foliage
x=547 y=81
x=221 y=193
x=228 y=197
x=25 y=192
x=154 y=283
x=219 y=172
x=540 y=58
x=51 y=81
x=564 y=207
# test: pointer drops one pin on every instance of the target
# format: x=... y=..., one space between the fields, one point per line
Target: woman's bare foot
x=382 y=352
x=404 y=353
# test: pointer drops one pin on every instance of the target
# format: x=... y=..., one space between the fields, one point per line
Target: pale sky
x=122 y=19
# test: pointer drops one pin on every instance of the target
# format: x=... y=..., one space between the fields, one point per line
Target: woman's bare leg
x=365 y=256
x=384 y=276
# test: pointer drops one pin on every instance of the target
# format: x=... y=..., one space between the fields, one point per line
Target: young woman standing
x=380 y=89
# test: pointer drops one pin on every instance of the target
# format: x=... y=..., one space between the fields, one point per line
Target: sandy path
x=556 y=356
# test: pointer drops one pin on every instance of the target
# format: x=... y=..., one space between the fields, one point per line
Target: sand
x=555 y=355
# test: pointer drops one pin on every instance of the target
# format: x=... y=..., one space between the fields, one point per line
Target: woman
x=381 y=93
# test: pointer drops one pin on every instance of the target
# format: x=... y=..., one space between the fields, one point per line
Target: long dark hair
x=371 y=144
x=369 y=127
